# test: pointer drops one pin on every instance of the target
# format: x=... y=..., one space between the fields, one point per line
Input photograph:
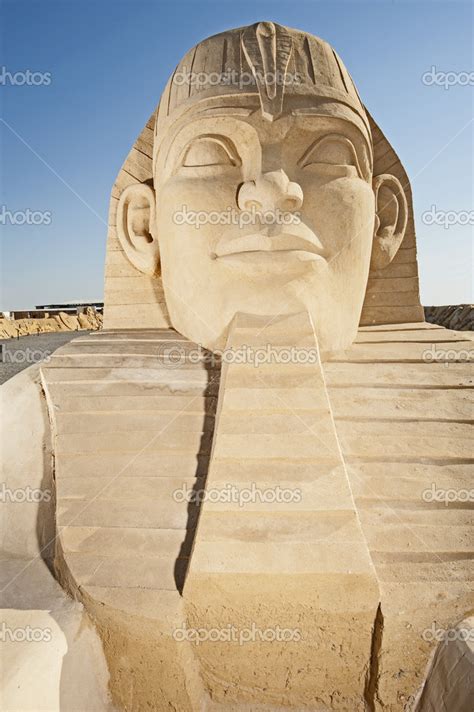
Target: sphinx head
x=263 y=198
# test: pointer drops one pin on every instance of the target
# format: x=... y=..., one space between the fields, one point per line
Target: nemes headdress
x=268 y=62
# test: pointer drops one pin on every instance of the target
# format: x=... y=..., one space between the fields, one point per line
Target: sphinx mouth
x=272 y=244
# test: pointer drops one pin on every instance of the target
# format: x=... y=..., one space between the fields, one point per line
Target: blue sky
x=107 y=61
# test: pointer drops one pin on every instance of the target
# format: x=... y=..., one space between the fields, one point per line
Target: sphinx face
x=264 y=217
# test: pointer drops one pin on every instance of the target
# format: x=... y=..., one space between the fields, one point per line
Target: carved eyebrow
x=314 y=112
x=307 y=111
x=226 y=111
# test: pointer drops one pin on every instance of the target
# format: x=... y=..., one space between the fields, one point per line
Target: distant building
x=70 y=307
x=41 y=310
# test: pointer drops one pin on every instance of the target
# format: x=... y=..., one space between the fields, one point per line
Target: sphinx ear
x=136 y=227
x=391 y=216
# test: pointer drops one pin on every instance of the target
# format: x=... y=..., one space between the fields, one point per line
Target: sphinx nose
x=270 y=191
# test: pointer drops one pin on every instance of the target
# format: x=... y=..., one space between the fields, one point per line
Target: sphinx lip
x=300 y=243
x=278 y=258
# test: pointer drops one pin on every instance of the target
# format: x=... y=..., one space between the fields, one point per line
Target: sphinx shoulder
x=27 y=464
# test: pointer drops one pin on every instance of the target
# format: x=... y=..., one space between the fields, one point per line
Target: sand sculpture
x=320 y=600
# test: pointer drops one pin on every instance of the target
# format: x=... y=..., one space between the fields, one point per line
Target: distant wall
x=89 y=319
x=459 y=317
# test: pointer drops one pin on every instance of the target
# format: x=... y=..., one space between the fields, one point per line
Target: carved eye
x=333 y=150
x=207 y=151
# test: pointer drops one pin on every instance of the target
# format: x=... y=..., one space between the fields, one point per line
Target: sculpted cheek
x=342 y=212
